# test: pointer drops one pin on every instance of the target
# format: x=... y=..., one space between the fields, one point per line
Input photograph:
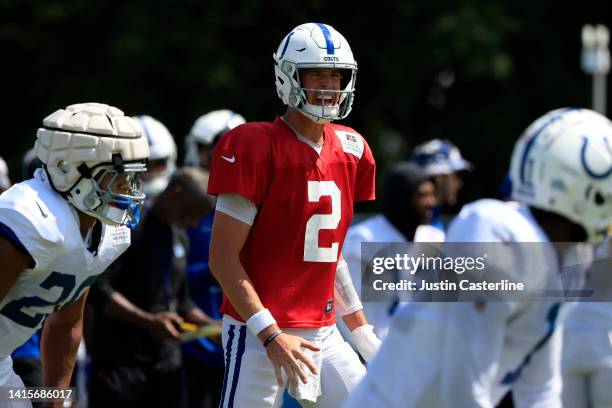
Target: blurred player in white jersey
x=61 y=229
x=587 y=340
x=408 y=199
x=470 y=354
x=286 y=192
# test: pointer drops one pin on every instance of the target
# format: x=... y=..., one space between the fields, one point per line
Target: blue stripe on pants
x=228 y=351
x=239 y=353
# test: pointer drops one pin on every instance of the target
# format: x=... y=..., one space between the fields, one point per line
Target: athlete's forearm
x=58 y=349
x=228 y=238
x=236 y=286
x=59 y=343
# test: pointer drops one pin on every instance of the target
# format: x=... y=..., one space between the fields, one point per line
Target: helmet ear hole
x=63 y=166
x=599 y=198
x=89 y=202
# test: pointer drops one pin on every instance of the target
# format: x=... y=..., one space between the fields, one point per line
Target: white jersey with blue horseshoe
x=466 y=354
x=47 y=227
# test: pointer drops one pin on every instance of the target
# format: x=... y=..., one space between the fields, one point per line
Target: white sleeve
x=345 y=296
x=237 y=207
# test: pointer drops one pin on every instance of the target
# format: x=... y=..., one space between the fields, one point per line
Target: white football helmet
x=315 y=45
x=207 y=130
x=162 y=148
x=438 y=157
x=5 y=182
x=88 y=151
x=563 y=164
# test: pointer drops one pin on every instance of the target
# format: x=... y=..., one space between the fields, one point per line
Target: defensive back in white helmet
x=88 y=151
x=207 y=130
x=563 y=164
x=315 y=45
x=162 y=148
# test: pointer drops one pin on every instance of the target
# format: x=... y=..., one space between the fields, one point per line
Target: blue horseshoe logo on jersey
x=583 y=159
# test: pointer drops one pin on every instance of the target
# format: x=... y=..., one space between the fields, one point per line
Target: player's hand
x=285 y=351
x=164 y=325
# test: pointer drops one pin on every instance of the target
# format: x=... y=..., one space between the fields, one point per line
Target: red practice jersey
x=305 y=205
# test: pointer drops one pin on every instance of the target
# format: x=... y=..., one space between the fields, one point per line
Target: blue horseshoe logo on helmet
x=583 y=160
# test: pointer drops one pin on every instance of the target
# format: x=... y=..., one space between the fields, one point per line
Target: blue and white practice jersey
x=40 y=220
x=465 y=354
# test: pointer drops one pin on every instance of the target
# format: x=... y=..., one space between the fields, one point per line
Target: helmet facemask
x=320 y=113
x=112 y=193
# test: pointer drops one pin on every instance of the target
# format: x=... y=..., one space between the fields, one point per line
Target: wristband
x=260 y=321
x=271 y=338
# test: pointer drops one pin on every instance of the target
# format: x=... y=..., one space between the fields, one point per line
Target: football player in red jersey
x=286 y=191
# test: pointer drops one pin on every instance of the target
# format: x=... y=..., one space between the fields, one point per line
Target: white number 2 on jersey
x=312 y=251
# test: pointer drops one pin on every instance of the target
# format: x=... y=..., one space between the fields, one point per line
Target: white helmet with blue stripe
x=315 y=45
x=563 y=164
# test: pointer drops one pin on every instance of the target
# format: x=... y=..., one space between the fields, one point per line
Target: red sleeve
x=365 y=187
x=240 y=164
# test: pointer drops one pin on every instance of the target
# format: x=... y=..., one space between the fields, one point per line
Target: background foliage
x=473 y=71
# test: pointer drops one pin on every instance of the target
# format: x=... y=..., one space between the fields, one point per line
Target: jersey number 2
x=312 y=251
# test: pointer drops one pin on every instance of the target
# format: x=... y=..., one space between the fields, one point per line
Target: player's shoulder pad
x=29 y=216
x=352 y=142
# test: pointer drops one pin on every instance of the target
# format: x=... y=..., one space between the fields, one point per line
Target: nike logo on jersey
x=229 y=159
x=44 y=214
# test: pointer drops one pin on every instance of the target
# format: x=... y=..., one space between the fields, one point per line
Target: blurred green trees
x=473 y=71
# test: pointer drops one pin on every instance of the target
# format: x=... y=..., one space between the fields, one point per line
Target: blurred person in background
x=408 y=200
x=469 y=354
x=29 y=164
x=61 y=229
x=206 y=133
x=587 y=336
x=204 y=357
x=162 y=155
x=442 y=160
x=5 y=181
x=142 y=300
